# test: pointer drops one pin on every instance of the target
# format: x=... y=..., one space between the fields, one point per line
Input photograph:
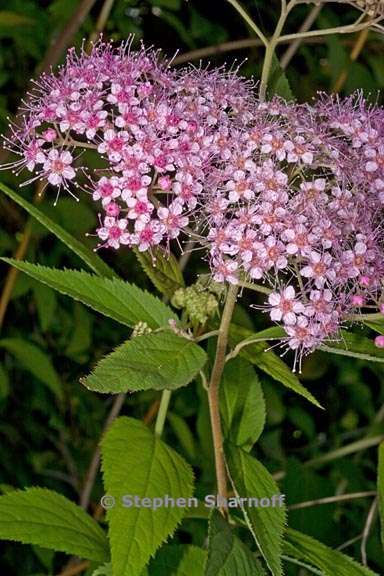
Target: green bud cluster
x=200 y=301
x=141 y=329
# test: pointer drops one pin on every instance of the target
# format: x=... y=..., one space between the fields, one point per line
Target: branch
x=350 y=29
x=367 y=530
x=76 y=569
x=245 y=343
x=293 y=48
x=95 y=462
x=338 y=453
x=55 y=52
x=101 y=21
x=332 y=499
x=357 y=48
x=213 y=391
x=249 y=21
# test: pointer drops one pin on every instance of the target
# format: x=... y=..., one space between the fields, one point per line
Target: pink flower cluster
x=155 y=131
x=297 y=202
x=288 y=195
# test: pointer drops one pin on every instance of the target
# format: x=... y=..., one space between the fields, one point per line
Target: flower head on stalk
x=290 y=195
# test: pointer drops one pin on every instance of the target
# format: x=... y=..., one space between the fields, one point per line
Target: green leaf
x=380 y=488
x=90 y=258
x=162 y=269
x=105 y=570
x=278 y=82
x=178 y=560
x=183 y=433
x=43 y=517
x=136 y=462
x=124 y=302
x=331 y=562
x=268 y=362
x=242 y=403
x=35 y=361
x=377 y=325
x=45 y=300
x=355 y=346
x=157 y=361
x=227 y=555
x=251 y=480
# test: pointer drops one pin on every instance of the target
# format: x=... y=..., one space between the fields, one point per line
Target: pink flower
x=298 y=150
x=319 y=268
x=147 y=234
x=113 y=232
x=113 y=144
x=379 y=341
x=239 y=187
x=285 y=306
x=172 y=219
x=140 y=208
x=58 y=167
x=358 y=300
x=225 y=271
x=34 y=155
x=107 y=189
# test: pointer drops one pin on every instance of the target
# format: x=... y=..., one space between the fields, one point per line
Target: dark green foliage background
x=47 y=442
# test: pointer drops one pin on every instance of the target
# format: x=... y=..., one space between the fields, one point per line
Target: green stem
x=302 y=564
x=349 y=29
x=271 y=48
x=267 y=65
x=366 y=317
x=162 y=413
x=213 y=391
x=249 y=21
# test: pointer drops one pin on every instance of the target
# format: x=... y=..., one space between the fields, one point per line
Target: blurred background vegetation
x=50 y=424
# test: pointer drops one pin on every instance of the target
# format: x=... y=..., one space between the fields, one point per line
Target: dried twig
x=367 y=530
x=293 y=48
x=75 y=569
x=95 y=462
x=357 y=48
x=332 y=499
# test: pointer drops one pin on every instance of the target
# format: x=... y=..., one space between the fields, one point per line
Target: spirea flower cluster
x=290 y=196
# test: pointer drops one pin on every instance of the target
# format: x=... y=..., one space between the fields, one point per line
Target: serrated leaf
x=178 y=560
x=157 y=361
x=242 y=403
x=355 y=346
x=380 y=488
x=278 y=82
x=162 y=269
x=268 y=361
x=251 y=480
x=92 y=260
x=119 y=300
x=46 y=518
x=136 y=462
x=105 y=570
x=227 y=555
x=35 y=361
x=331 y=562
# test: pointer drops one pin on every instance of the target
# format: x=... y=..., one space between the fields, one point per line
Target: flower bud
x=379 y=341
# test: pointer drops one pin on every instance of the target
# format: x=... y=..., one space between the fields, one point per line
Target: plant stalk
x=271 y=48
x=162 y=413
x=213 y=391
